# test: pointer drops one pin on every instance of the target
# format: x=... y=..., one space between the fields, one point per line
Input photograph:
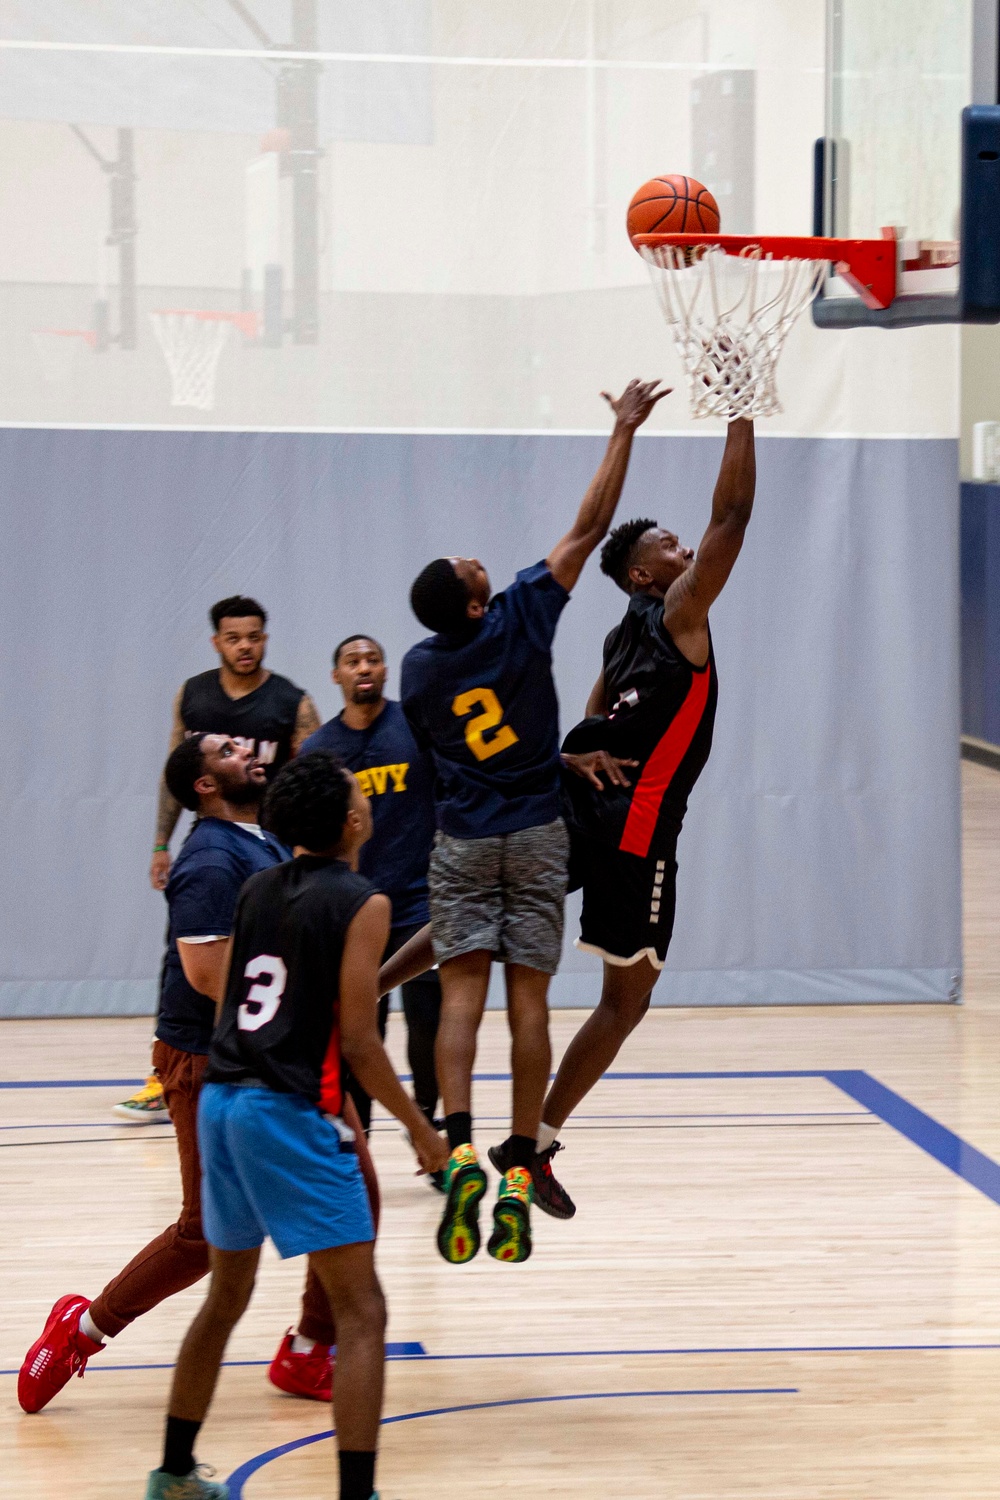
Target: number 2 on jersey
x=268 y=996
x=475 y=730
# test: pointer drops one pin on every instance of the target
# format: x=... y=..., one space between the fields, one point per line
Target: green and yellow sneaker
x=511 y=1237
x=147 y=1107
x=464 y=1185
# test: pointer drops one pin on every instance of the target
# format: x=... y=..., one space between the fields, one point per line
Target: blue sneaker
x=191 y=1486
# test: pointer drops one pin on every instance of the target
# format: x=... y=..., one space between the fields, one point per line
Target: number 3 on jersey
x=476 y=729
x=267 y=996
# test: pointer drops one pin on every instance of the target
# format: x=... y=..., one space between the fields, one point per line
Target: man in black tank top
x=277 y=1159
x=239 y=698
x=629 y=770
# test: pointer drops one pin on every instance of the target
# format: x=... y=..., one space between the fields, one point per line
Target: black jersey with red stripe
x=280 y=1020
x=661 y=714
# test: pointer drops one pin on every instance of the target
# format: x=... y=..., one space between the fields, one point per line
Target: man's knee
x=229 y=1294
x=623 y=1005
x=362 y=1310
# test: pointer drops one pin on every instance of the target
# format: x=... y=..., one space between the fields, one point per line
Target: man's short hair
x=359 y=635
x=236 y=607
x=184 y=765
x=308 y=801
x=439 y=598
x=621 y=550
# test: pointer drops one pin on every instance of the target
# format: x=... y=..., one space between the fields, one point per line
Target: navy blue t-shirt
x=487 y=707
x=206 y=878
x=398 y=778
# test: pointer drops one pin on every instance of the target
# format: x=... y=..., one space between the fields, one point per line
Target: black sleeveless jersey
x=661 y=714
x=280 y=1020
x=264 y=719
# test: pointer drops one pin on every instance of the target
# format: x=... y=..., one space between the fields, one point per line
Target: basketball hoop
x=731 y=300
x=192 y=340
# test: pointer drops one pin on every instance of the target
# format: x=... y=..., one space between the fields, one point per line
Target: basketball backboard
x=899 y=152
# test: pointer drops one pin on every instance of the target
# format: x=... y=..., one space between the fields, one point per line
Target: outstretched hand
x=635 y=403
x=593 y=764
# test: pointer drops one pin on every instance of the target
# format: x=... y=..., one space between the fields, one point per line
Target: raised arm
x=593 y=521
x=689 y=598
x=168 y=810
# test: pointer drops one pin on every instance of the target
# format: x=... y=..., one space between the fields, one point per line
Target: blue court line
x=239 y=1476
x=921 y=1129
x=416 y=1352
x=392 y=1351
x=387 y=1125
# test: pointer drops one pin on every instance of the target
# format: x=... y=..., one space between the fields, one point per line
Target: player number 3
x=475 y=730
x=265 y=996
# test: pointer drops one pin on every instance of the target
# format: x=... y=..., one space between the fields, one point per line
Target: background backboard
x=898 y=77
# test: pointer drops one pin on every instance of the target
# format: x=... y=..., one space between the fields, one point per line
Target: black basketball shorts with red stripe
x=628 y=901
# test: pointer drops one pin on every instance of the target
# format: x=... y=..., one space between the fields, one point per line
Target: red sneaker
x=308 y=1375
x=61 y=1351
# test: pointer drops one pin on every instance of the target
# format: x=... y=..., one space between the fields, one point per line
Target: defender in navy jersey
x=630 y=767
x=278 y=1161
x=374 y=740
x=479 y=693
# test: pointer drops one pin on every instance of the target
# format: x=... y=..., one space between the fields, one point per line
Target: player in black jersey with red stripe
x=630 y=767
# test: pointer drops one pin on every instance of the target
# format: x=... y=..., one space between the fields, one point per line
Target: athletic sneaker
x=61 y=1351
x=191 y=1486
x=550 y=1195
x=464 y=1186
x=309 y=1375
x=511 y=1237
x=146 y=1107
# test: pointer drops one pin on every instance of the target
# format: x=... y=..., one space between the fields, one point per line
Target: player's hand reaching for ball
x=431 y=1148
x=594 y=764
x=635 y=403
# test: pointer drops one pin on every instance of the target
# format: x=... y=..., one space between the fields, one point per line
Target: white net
x=192 y=343
x=730 y=316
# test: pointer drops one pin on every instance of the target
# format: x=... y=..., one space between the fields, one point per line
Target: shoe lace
x=544 y=1158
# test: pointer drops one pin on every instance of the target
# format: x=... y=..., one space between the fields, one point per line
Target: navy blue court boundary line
x=239 y=1476
x=406 y=1352
x=921 y=1129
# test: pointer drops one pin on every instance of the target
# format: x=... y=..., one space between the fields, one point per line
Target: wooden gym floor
x=776 y=1286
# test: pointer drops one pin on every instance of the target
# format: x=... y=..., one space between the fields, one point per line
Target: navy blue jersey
x=205 y=882
x=398 y=778
x=486 y=704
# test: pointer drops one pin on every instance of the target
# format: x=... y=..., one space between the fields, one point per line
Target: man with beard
x=373 y=739
x=256 y=708
x=222 y=782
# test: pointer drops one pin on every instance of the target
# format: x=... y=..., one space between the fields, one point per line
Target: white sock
x=90 y=1329
x=546 y=1136
x=301 y=1345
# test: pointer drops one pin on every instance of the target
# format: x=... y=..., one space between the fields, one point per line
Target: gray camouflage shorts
x=501 y=894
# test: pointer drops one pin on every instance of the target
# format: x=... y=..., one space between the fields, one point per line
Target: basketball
x=672 y=205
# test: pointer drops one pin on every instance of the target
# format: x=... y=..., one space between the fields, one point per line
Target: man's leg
x=197 y=1370
x=464 y=983
x=624 y=1001
x=76 y=1329
x=304 y=1364
x=422 y=1009
x=352 y=1287
x=530 y=1048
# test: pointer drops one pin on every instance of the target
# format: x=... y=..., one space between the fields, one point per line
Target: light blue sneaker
x=191 y=1487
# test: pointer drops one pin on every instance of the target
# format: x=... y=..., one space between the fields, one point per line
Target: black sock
x=459 y=1128
x=178 y=1447
x=520 y=1151
x=357 y=1475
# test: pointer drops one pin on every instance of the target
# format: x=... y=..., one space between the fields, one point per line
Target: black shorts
x=628 y=902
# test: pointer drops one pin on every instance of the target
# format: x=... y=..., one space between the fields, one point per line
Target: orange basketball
x=672 y=205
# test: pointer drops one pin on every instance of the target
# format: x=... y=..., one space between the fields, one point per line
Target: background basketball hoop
x=192 y=341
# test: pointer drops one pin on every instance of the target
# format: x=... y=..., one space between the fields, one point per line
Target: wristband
x=161 y=848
